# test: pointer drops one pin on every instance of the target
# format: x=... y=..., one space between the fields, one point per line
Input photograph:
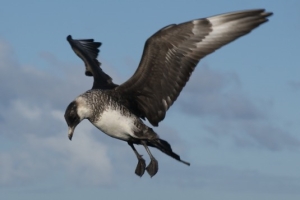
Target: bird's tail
x=165 y=147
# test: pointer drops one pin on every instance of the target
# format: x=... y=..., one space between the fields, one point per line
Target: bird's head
x=76 y=111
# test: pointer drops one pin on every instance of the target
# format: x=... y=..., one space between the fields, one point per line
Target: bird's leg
x=140 y=168
x=152 y=168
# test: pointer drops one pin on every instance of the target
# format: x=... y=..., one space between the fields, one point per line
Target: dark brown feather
x=172 y=53
x=88 y=51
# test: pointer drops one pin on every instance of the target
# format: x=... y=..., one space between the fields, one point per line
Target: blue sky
x=236 y=121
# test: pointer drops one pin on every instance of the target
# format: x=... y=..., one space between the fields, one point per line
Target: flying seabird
x=169 y=58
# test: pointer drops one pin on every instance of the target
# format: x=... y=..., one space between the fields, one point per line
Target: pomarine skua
x=169 y=58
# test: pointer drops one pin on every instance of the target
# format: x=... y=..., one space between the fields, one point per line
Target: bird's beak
x=70 y=133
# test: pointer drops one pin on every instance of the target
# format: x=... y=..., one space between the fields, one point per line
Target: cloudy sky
x=236 y=121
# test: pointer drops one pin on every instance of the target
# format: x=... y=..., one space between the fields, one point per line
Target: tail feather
x=165 y=147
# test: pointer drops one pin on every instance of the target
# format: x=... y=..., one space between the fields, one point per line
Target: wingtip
x=268 y=14
x=184 y=162
x=69 y=37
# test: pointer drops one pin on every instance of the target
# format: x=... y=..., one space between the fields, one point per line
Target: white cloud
x=26 y=111
x=35 y=143
x=84 y=159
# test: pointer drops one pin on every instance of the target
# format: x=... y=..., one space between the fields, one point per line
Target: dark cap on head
x=72 y=118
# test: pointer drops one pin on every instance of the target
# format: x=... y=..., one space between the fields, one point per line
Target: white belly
x=116 y=125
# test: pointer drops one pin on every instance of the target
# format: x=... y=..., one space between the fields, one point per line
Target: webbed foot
x=152 y=168
x=140 y=168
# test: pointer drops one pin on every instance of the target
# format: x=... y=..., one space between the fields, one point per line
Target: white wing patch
x=165 y=105
x=169 y=55
x=220 y=30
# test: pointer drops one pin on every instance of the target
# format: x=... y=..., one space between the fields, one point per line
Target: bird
x=169 y=57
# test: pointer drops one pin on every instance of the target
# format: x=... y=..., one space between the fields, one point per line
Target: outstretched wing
x=171 y=54
x=88 y=51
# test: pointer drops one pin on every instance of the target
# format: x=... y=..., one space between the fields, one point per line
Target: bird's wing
x=171 y=54
x=88 y=51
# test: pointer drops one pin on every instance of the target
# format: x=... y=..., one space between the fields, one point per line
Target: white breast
x=116 y=125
